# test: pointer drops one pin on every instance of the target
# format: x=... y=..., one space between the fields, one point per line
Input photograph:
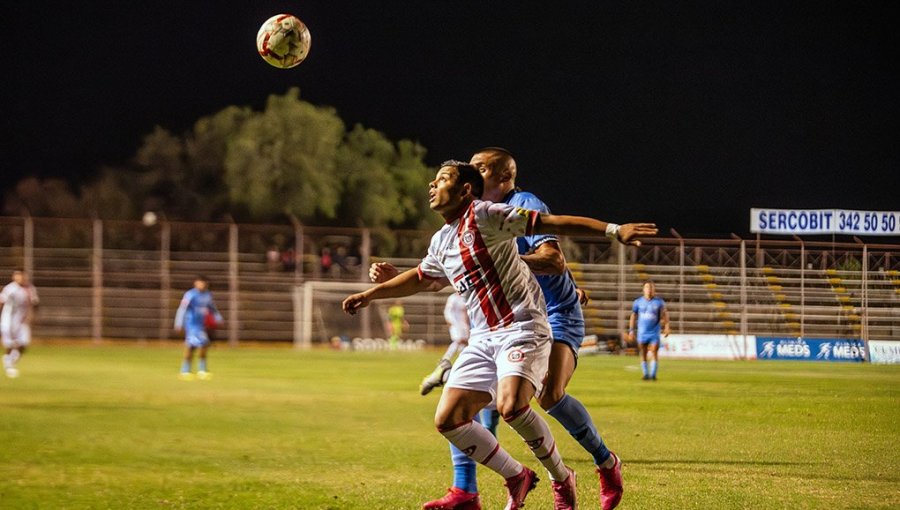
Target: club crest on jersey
x=516 y=356
x=468 y=238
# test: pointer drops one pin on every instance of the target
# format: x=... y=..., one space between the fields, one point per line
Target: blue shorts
x=196 y=338
x=568 y=327
x=650 y=340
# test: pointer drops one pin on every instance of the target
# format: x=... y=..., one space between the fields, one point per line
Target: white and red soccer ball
x=283 y=41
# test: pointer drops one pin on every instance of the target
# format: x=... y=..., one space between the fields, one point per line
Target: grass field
x=112 y=427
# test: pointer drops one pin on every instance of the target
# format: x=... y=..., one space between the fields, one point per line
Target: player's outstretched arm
x=548 y=258
x=380 y=272
x=582 y=226
x=404 y=284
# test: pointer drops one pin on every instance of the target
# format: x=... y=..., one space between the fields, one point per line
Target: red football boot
x=611 y=485
x=518 y=487
x=455 y=499
x=564 y=493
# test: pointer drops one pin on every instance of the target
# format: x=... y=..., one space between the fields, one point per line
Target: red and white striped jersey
x=477 y=252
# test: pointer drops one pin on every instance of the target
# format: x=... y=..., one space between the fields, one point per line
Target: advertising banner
x=810 y=349
x=882 y=351
x=708 y=346
x=824 y=221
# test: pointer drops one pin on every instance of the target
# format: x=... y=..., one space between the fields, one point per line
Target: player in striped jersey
x=509 y=344
x=563 y=299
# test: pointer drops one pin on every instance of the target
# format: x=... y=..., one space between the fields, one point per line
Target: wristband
x=612 y=230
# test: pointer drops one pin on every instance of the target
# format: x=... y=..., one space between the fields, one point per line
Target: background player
x=196 y=305
x=508 y=342
x=18 y=299
x=396 y=325
x=650 y=311
x=457 y=319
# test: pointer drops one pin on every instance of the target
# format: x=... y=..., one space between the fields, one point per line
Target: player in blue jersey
x=195 y=314
x=543 y=256
x=650 y=312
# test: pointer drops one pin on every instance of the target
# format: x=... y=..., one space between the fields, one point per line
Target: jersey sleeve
x=506 y=221
x=430 y=268
x=529 y=201
x=182 y=309
x=634 y=307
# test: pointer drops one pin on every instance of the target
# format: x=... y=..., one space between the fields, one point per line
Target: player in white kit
x=18 y=299
x=509 y=343
x=456 y=316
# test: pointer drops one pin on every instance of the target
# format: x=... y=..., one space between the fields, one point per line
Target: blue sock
x=489 y=418
x=653 y=368
x=463 y=470
x=575 y=418
x=186 y=366
x=201 y=365
x=644 y=368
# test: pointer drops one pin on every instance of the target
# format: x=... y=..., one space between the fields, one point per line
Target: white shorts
x=16 y=337
x=489 y=358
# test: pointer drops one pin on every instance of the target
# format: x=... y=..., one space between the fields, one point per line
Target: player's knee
x=550 y=396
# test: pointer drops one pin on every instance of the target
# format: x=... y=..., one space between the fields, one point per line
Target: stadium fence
x=124 y=279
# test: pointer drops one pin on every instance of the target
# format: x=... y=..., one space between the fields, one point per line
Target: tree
x=282 y=161
x=292 y=158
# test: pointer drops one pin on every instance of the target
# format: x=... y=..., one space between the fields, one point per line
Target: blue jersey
x=559 y=290
x=649 y=314
x=192 y=312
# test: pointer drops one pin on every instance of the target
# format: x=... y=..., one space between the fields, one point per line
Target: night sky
x=683 y=113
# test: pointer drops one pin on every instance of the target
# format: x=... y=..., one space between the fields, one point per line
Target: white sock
x=537 y=436
x=481 y=446
x=14 y=356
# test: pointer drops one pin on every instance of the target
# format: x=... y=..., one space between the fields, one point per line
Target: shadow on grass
x=723 y=462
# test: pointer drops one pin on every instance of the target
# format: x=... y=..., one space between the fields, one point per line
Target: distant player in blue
x=650 y=312
x=195 y=315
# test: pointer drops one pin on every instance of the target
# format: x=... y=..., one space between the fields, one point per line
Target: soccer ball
x=283 y=41
x=149 y=219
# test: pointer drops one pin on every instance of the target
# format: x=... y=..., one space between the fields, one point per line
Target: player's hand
x=353 y=303
x=629 y=337
x=666 y=331
x=629 y=232
x=583 y=297
x=380 y=272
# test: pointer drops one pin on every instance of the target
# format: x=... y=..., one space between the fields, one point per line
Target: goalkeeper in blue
x=196 y=313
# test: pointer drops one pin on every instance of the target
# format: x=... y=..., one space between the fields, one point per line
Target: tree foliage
x=291 y=158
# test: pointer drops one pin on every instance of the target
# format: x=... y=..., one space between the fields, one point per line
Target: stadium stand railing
x=123 y=279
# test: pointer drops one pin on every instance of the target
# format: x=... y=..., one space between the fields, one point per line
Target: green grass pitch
x=112 y=427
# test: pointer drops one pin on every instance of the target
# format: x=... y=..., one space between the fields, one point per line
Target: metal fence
x=123 y=279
